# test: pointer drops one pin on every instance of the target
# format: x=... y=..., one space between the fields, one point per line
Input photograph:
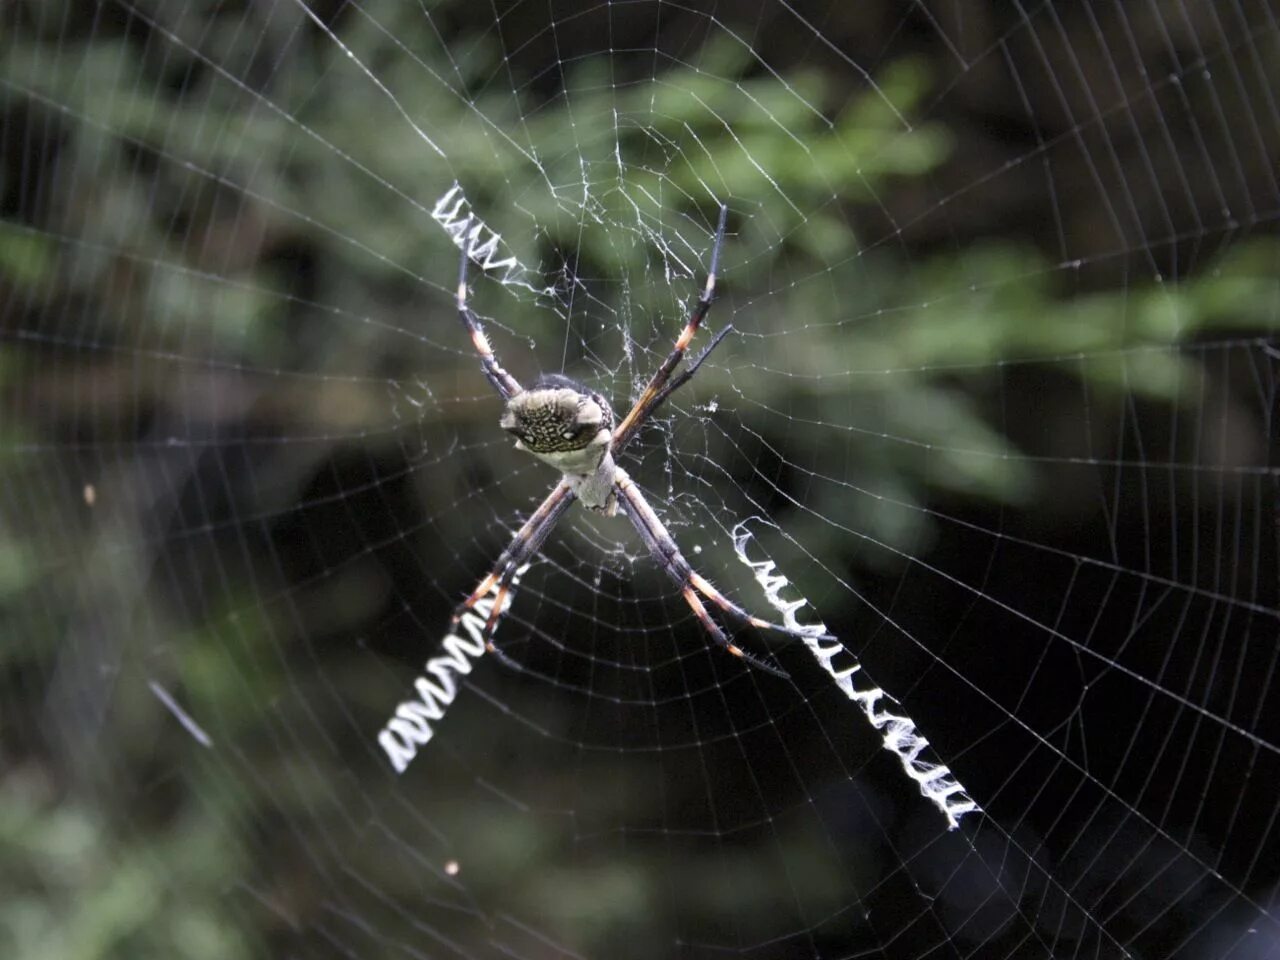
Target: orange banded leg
x=701 y=584
x=504 y=587
x=654 y=393
x=664 y=550
x=503 y=382
x=700 y=611
x=685 y=376
x=704 y=587
x=527 y=541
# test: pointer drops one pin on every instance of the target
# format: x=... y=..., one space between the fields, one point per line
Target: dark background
x=1005 y=284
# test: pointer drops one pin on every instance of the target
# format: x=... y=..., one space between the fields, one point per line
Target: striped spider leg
x=571 y=428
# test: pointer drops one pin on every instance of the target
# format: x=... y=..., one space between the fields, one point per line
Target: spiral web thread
x=1004 y=281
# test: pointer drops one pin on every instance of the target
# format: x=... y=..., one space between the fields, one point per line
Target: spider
x=572 y=428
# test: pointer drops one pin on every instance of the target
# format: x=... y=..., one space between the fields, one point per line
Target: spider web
x=998 y=412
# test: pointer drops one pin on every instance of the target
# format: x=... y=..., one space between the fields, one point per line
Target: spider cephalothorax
x=556 y=416
x=570 y=427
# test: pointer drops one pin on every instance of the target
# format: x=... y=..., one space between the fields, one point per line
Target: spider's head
x=559 y=420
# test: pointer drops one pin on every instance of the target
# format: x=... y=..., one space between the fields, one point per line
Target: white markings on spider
x=936 y=782
x=411 y=727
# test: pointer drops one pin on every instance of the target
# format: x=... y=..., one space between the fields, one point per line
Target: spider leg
x=507 y=385
x=735 y=612
x=527 y=541
x=688 y=373
x=664 y=550
x=718 y=635
x=653 y=391
x=504 y=587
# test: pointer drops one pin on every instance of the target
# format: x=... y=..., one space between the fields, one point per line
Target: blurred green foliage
x=156 y=254
x=75 y=888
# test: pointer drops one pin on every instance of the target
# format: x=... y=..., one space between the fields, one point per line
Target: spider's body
x=568 y=427
x=571 y=428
